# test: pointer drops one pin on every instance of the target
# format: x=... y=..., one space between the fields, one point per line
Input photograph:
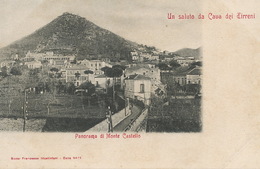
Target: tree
x=49 y=98
x=3 y=72
x=89 y=89
x=114 y=72
x=163 y=66
x=15 y=71
x=43 y=80
x=107 y=82
x=60 y=86
x=88 y=72
x=174 y=64
x=34 y=72
x=119 y=66
x=15 y=86
x=45 y=62
x=104 y=69
x=70 y=88
x=77 y=75
x=54 y=69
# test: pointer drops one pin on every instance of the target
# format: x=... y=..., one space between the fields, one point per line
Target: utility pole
x=109 y=120
x=24 y=109
x=126 y=99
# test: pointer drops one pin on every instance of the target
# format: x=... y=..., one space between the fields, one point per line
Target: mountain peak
x=68 y=14
x=70 y=17
x=73 y=34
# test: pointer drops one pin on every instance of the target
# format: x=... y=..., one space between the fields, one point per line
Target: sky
x=144 y=22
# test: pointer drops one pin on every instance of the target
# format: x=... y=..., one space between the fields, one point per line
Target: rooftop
x=195 y=71
x=138 y=77
x=101 y=76
x=78 y=67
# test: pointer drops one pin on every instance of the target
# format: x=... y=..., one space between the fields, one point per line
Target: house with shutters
x=138 y=87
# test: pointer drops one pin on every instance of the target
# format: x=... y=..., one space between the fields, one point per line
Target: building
x=167 y=58
x=194 y=76
x=78 y=76
x=154 y=57
x=149 y=56
x=138 y=87
x=33 y=64
x=95 y=65
x=134 y=55
x=7 y=63
x=103 y=81
x=185 y=61
x=53 y=59
x=137 y=56
x=58 y=60
x=30 y=56
x=148 y=70
x=145 y=55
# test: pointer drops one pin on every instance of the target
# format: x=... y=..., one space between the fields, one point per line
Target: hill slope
x=72 y=34
x=186 y=52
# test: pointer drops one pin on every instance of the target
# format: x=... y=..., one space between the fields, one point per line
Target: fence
x=136 y=124
x=116 y=118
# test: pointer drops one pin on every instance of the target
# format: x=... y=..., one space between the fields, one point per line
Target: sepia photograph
x=71 y=72
x=129 y=84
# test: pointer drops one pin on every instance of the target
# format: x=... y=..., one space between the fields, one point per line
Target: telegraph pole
x=24 y=109
x=126 y=99
x=109 y=120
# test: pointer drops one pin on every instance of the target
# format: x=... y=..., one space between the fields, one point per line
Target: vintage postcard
x=129 y=84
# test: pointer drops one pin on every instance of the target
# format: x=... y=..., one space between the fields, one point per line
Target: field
x=180 y=115
x=68 y=113
x=69 y=106
x=16 y=124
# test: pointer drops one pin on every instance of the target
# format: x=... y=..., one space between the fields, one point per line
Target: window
x=141 y=88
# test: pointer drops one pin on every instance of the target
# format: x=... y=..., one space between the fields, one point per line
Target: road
x=136 y=111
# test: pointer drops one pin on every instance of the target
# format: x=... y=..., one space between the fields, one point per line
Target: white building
x=194 y=76
x=95 y=65
x=7 y=63
x=33 y=64
x=148 y=70
x=154 y=57
x=138 y=87
x=185 y=61
x=103 y=81
x=77 y=75
x=134 y=55
x=53 y=59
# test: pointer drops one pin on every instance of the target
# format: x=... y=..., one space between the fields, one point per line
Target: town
x=50 y=85
x=127 y=87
